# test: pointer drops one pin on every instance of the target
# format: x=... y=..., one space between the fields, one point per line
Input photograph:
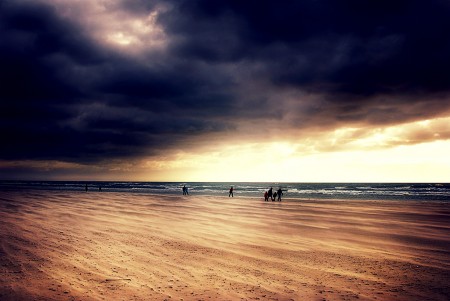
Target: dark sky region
x=116 y=89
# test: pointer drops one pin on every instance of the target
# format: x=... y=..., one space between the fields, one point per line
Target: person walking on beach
x=266 y=196
x=269 y=194
x=185 y=190
x=279 y=193
x=231 y=192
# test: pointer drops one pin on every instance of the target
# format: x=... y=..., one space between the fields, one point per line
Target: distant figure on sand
x=269 y=194
x=274 y=196
x=266 y=196
x=185 y=190
x=231 y=192
x=85 y=187
x=279 y=193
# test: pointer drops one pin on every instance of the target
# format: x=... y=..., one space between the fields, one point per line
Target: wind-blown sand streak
x=120 y=246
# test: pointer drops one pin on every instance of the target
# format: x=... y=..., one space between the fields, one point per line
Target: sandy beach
x=131 y=246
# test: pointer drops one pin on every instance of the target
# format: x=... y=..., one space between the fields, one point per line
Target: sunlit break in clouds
x=225 y=90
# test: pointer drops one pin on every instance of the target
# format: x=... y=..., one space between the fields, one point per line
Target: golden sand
x=123 y=246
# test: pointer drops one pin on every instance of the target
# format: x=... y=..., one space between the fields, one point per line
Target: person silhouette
x=279 y=193
x=231 y=192
x=270 y=193
x=185 y=190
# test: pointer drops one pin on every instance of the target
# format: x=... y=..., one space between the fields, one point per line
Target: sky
x=273 y=91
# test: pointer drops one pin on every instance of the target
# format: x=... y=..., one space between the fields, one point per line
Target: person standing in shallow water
x=231 y=192
x=269 y=194
x=185 y=190
x=279 y=193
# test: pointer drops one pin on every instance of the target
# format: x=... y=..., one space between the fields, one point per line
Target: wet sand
x=121 y=246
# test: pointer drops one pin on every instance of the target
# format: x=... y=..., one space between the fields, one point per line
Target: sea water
x=366 y=191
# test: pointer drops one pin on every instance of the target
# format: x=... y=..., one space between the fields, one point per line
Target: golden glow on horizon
x=428 y=162
x=401 y=153
x=413 y=152
x=40 y=165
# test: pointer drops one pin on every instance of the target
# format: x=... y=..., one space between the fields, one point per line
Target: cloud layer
x=85 y=83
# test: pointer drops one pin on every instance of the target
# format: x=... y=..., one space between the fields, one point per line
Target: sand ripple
x=119 y=246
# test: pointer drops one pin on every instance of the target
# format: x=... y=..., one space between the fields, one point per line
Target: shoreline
x=344 y=191
x=107 y=245
x=225 y=196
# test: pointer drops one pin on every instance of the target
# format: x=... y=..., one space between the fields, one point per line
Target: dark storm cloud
x=38 y=90
x=53 y=72
x=354 y=47
x=355 y=54
x=67 y=96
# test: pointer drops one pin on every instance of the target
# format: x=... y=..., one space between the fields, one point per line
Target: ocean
x=291 y=191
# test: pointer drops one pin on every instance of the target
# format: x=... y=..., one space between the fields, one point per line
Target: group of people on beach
x=273 y=195
x=268 y=194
